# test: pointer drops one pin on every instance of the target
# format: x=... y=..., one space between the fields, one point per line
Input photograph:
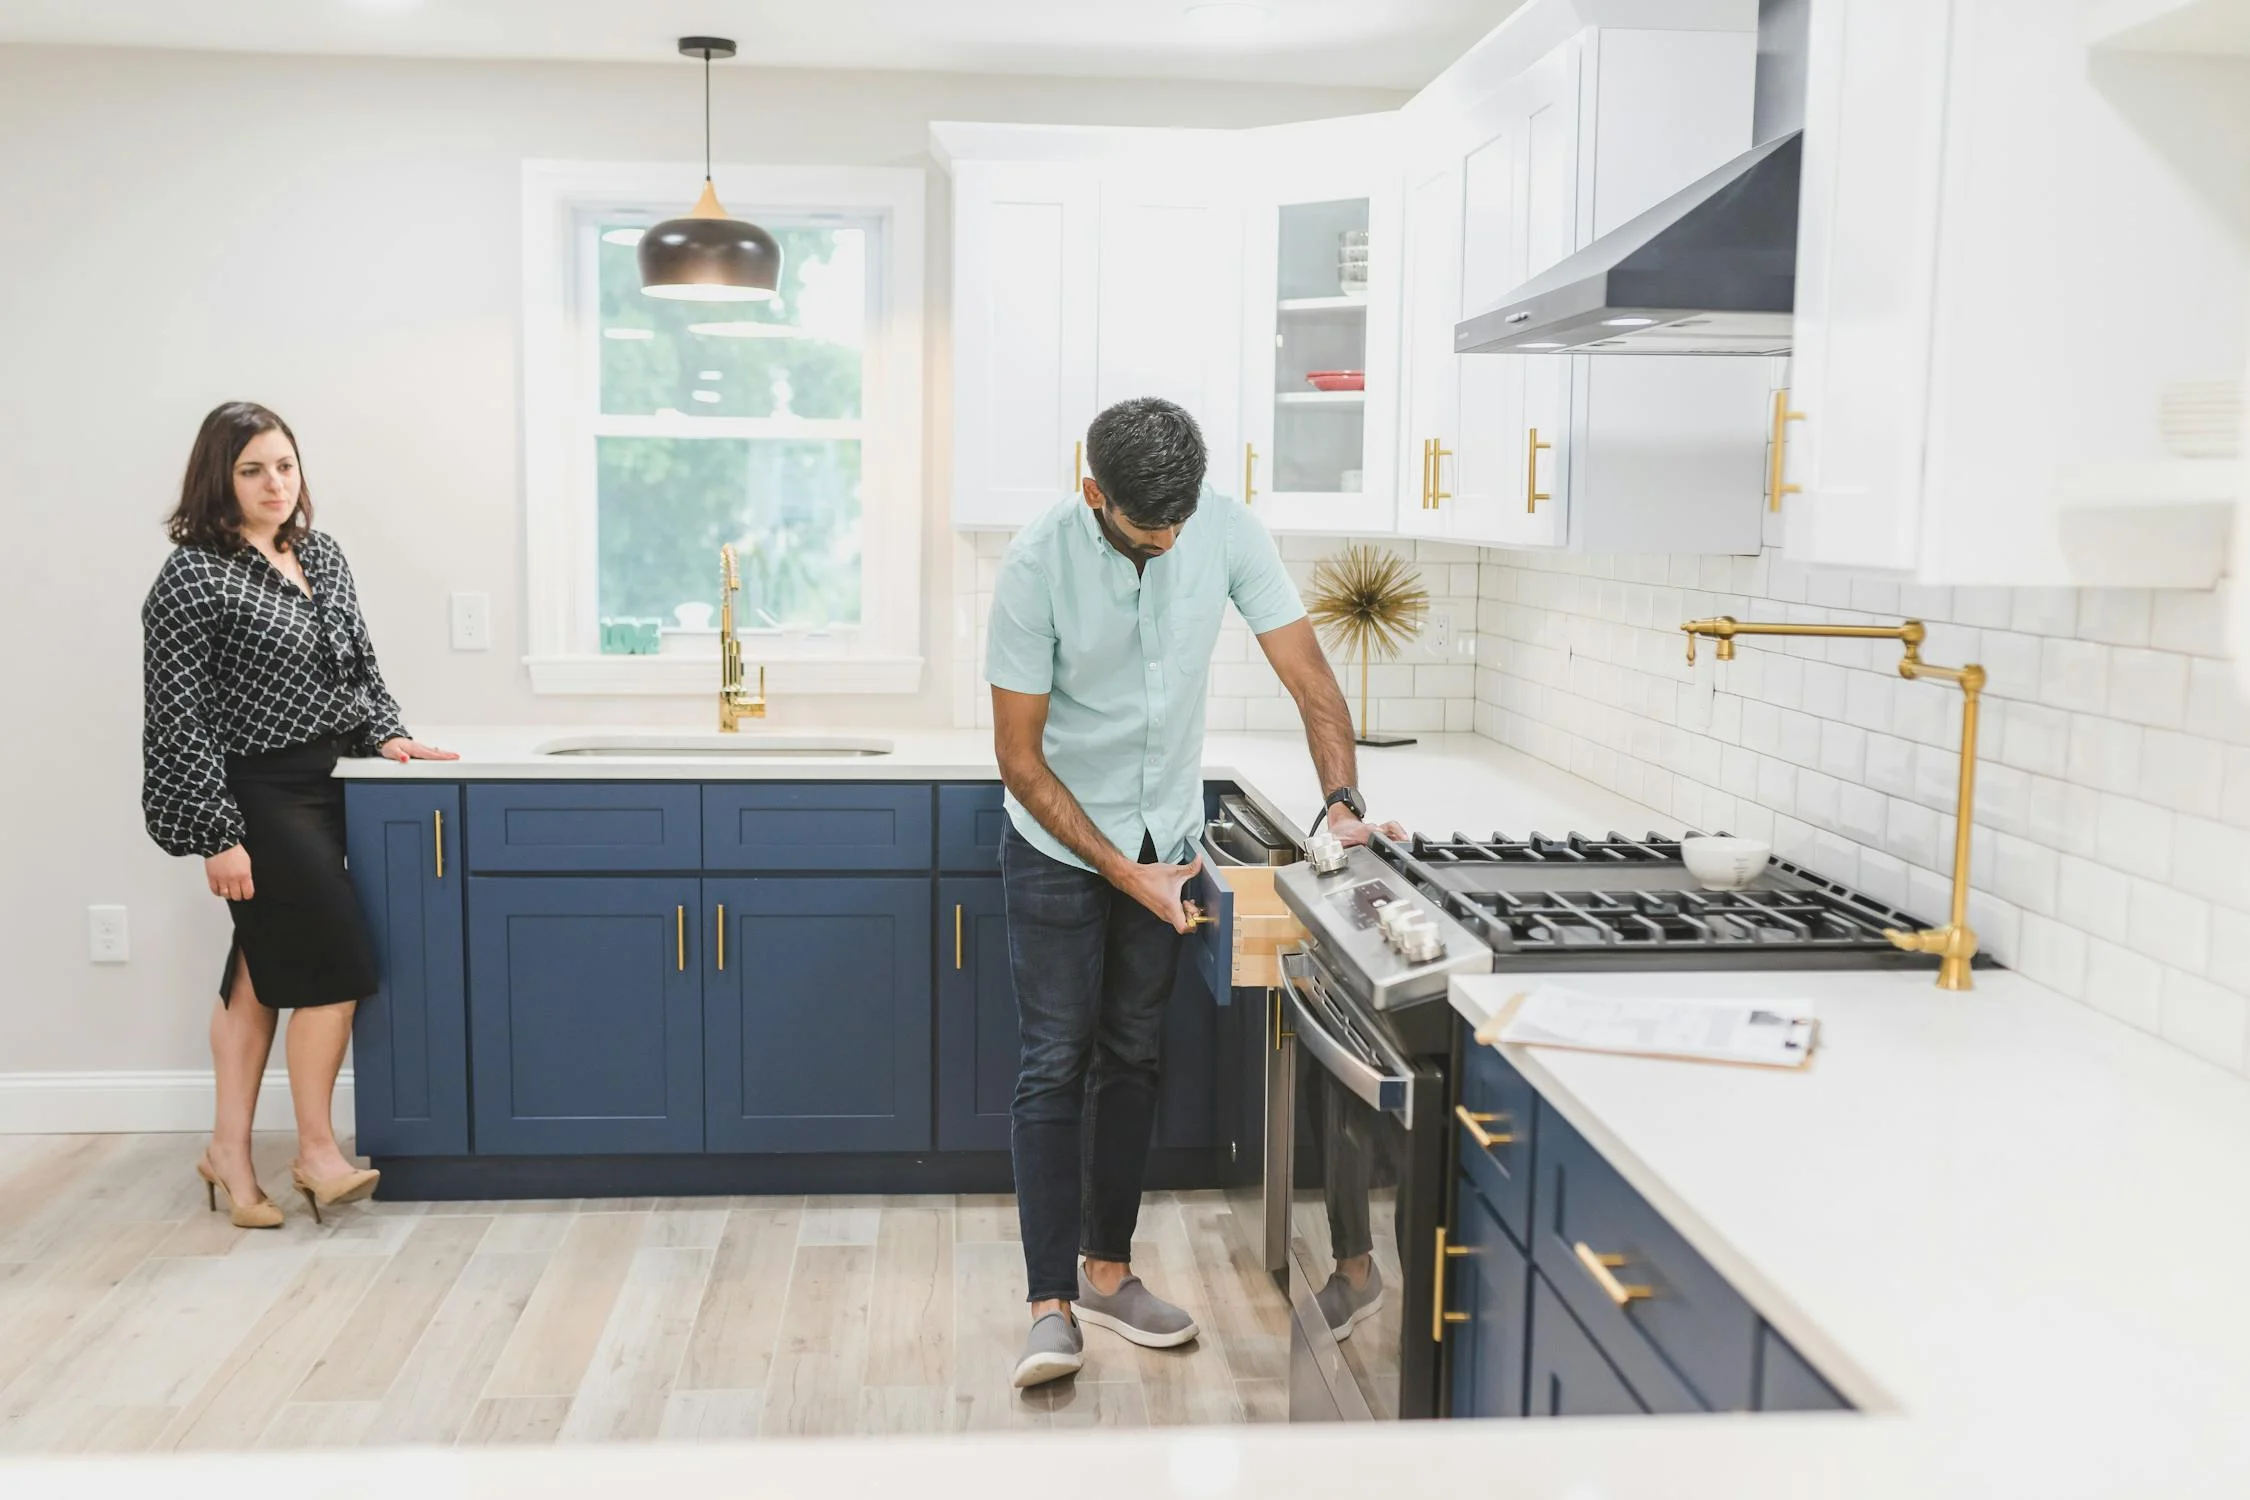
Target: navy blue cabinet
x=586 y=1016
x=1488 y=1280
x=971 y=819
x=1184 y=1093
x=978 y=1046
x=1787 y=1383
x=817 y=1014
x=828 y=825
x=409 y=1038
x=1569 y=1376
x=550 y=826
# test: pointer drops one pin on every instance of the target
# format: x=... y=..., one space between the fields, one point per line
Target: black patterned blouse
x=237 y=661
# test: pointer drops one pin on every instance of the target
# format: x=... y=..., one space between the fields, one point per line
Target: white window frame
x=561 y=371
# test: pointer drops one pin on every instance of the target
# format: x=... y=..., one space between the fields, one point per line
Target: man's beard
x=1124 y=543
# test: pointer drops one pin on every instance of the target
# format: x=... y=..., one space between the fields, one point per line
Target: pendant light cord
x=707 y=114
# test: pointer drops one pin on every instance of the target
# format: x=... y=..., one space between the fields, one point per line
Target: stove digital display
x=1361 y=905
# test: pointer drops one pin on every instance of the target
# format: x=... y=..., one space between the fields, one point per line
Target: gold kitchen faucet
x=1956 y=942
x=736 y=701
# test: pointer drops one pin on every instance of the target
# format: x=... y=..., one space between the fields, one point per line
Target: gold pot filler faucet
x=1956 y=941
x=736 y=702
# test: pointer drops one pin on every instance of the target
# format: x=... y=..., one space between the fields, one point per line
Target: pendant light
x=706 y=256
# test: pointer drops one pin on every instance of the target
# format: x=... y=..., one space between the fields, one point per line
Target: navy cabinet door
x=410 y=1052
x=819 y=1023
x=1184 y=1094
x=1569 y=1377
x=828 y=825
x=971 y=818
x=585 y=1014
x=1787 y=1383
x=1488 y=1283
x=978 y=1043
x=585 y=827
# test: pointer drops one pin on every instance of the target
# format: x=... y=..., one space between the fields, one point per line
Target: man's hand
x=1351 y=831
x=1158 y=887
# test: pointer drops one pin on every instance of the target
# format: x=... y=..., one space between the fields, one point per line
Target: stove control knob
x=1393 y=919
x=1421 y=942
x=1326 y=852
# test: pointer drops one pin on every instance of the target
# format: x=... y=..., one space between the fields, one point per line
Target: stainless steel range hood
x=1710 y=270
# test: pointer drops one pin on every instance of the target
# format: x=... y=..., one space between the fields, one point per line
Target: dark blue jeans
x=1093 y=970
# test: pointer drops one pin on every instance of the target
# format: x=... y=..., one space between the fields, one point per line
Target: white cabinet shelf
x=2206 y=26
x=1322 y=398
x=1322 y=304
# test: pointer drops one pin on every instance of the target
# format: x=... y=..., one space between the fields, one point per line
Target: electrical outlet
x=106 y=940
x=472 y=622
x=1438 y=634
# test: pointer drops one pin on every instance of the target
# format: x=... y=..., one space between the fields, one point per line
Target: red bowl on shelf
x=1337 y=380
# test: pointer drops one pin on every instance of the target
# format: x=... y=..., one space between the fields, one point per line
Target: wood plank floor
x=131 y=1319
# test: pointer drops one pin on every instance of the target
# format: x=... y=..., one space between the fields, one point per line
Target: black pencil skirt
x=301 y=930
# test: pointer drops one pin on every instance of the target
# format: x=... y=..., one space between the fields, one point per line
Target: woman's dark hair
x=208 y=514
x=1147 y=455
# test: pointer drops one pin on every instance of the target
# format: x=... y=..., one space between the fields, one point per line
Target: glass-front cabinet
x=1320 y=328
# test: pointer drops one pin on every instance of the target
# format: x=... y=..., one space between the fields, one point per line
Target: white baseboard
x=113 y=1102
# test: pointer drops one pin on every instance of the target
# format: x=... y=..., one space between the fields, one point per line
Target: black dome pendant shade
x=707 y=256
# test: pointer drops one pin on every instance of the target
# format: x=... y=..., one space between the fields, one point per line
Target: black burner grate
x=1576 y=848
x=1799 y=919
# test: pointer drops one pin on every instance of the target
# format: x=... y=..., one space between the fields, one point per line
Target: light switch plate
x=472 y=622
x=106 y=939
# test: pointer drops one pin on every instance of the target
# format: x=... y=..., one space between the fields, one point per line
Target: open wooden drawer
x=1239 y=946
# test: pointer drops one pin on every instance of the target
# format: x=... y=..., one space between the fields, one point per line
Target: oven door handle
x=1379 y=1090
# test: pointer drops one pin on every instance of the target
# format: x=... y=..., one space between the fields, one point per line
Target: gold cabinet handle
x=1776 y=486
x=1600 y=1267
x=1078 y=465
x=1532 y=494
x=679 y=934
x=1439 y=453
x=722 y=937
x=1196 y=915
x=1474 y=1124
x=1439 y=1317
x=956 y=935
x=1249 y=474
x=437 y=838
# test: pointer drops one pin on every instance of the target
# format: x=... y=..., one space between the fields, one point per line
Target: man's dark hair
x=1147 y=454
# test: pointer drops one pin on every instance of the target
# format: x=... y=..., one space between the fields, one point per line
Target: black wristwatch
x=1354 y=804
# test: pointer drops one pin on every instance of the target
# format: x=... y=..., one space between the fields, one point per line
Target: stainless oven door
x=1365 y=1199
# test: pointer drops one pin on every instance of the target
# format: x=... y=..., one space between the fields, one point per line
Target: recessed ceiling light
x=1228 y=18
x=1627 y=322
x=628 y=333
x=704 y=395
x=1538 y=346
x=630 y=236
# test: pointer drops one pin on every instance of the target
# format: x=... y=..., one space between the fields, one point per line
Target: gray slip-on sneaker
x=1052 y=1350
x=1135 y=1313
x=1346 y=1306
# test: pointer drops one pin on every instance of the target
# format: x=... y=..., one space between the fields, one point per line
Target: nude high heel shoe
x=264 y=1214
x=327 y=1192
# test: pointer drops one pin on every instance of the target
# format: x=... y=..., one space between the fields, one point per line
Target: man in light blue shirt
x=1104 y=620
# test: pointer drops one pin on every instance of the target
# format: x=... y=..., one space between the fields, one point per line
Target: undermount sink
x=708 y=746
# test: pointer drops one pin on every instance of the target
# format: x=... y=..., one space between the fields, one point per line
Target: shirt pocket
x=1191 y=632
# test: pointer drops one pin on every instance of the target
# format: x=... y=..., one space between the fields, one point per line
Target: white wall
x=338 y=239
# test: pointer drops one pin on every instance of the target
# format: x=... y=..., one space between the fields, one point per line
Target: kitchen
x=397 y=221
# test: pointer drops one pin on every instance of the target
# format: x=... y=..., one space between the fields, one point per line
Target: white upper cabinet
x=1319 y=326
x=1025 y=313
x=1549 y=134
x=2012 y=279
x=1109 y=269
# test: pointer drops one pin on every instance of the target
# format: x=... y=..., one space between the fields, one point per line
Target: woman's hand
x=228 y=872
x=403 y=750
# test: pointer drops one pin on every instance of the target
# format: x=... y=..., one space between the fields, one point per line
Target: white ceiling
x=1376 y=43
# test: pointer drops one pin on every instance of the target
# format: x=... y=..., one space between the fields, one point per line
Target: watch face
x=1350 y=797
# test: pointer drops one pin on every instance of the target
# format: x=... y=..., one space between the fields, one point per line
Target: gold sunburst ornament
x=1366 y=601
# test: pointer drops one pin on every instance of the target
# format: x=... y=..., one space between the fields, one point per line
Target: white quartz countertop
x=2006 y=1224
x=1426 y=785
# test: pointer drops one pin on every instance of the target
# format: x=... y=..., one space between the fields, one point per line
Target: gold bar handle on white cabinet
x=437 y=838
x=1078 y=466
x=1439 y=453
x=1778 y=451
x=1532 y=494
x=1249 y=474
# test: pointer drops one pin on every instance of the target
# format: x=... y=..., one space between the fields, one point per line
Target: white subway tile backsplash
x=2133 y=836
x=2169 y=926
x=2025 y=873
x=2043 y=611
x=1868 y=702
x=1890 y=765
x=2230 y=949
x=2205 y=1019
x=1989 y=608
x=2189 y=620
x=1843 y=751
x=2104 y=753
x=2011 y=665
x=2118 y=617
x=2125 y=984
x=2148 y=687
x=1862 y=813
x=1825 y=690
x=2073 y=674
x=2036 y=739
x=2234 y=795
x=2216 y=707
x=2212 y=860
x=2052 y=954
x=2183 y=772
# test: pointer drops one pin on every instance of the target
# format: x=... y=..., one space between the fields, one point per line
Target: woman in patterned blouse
x=258 y=674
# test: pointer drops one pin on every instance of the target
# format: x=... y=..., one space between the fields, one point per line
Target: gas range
x=1575 y=902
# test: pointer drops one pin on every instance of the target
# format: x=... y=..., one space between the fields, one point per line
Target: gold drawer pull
x=1776 y=486
x=679 y=934
x=1600 y=1267
x=1532 y=494
x=1196 y=915
x=1078 y=465
x=1439 y=453
x=722 y=937
x=437 y=837
x=1249 y=475
x=1474 y=1124
x=956 y=936
x=1439 y=1317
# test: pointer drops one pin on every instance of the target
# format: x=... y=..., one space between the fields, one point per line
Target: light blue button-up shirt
x=1124 y=658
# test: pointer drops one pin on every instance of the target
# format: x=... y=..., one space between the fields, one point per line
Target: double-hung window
x=658 y=431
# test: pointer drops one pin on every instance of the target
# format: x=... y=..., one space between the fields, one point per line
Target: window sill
x=698 y=676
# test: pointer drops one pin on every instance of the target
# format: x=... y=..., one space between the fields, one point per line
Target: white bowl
x=1724 y=863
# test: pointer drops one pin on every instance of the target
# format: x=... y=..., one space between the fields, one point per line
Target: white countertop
x=2006 y=1224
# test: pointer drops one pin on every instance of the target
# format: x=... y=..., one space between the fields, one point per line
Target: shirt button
x=1154 y=667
